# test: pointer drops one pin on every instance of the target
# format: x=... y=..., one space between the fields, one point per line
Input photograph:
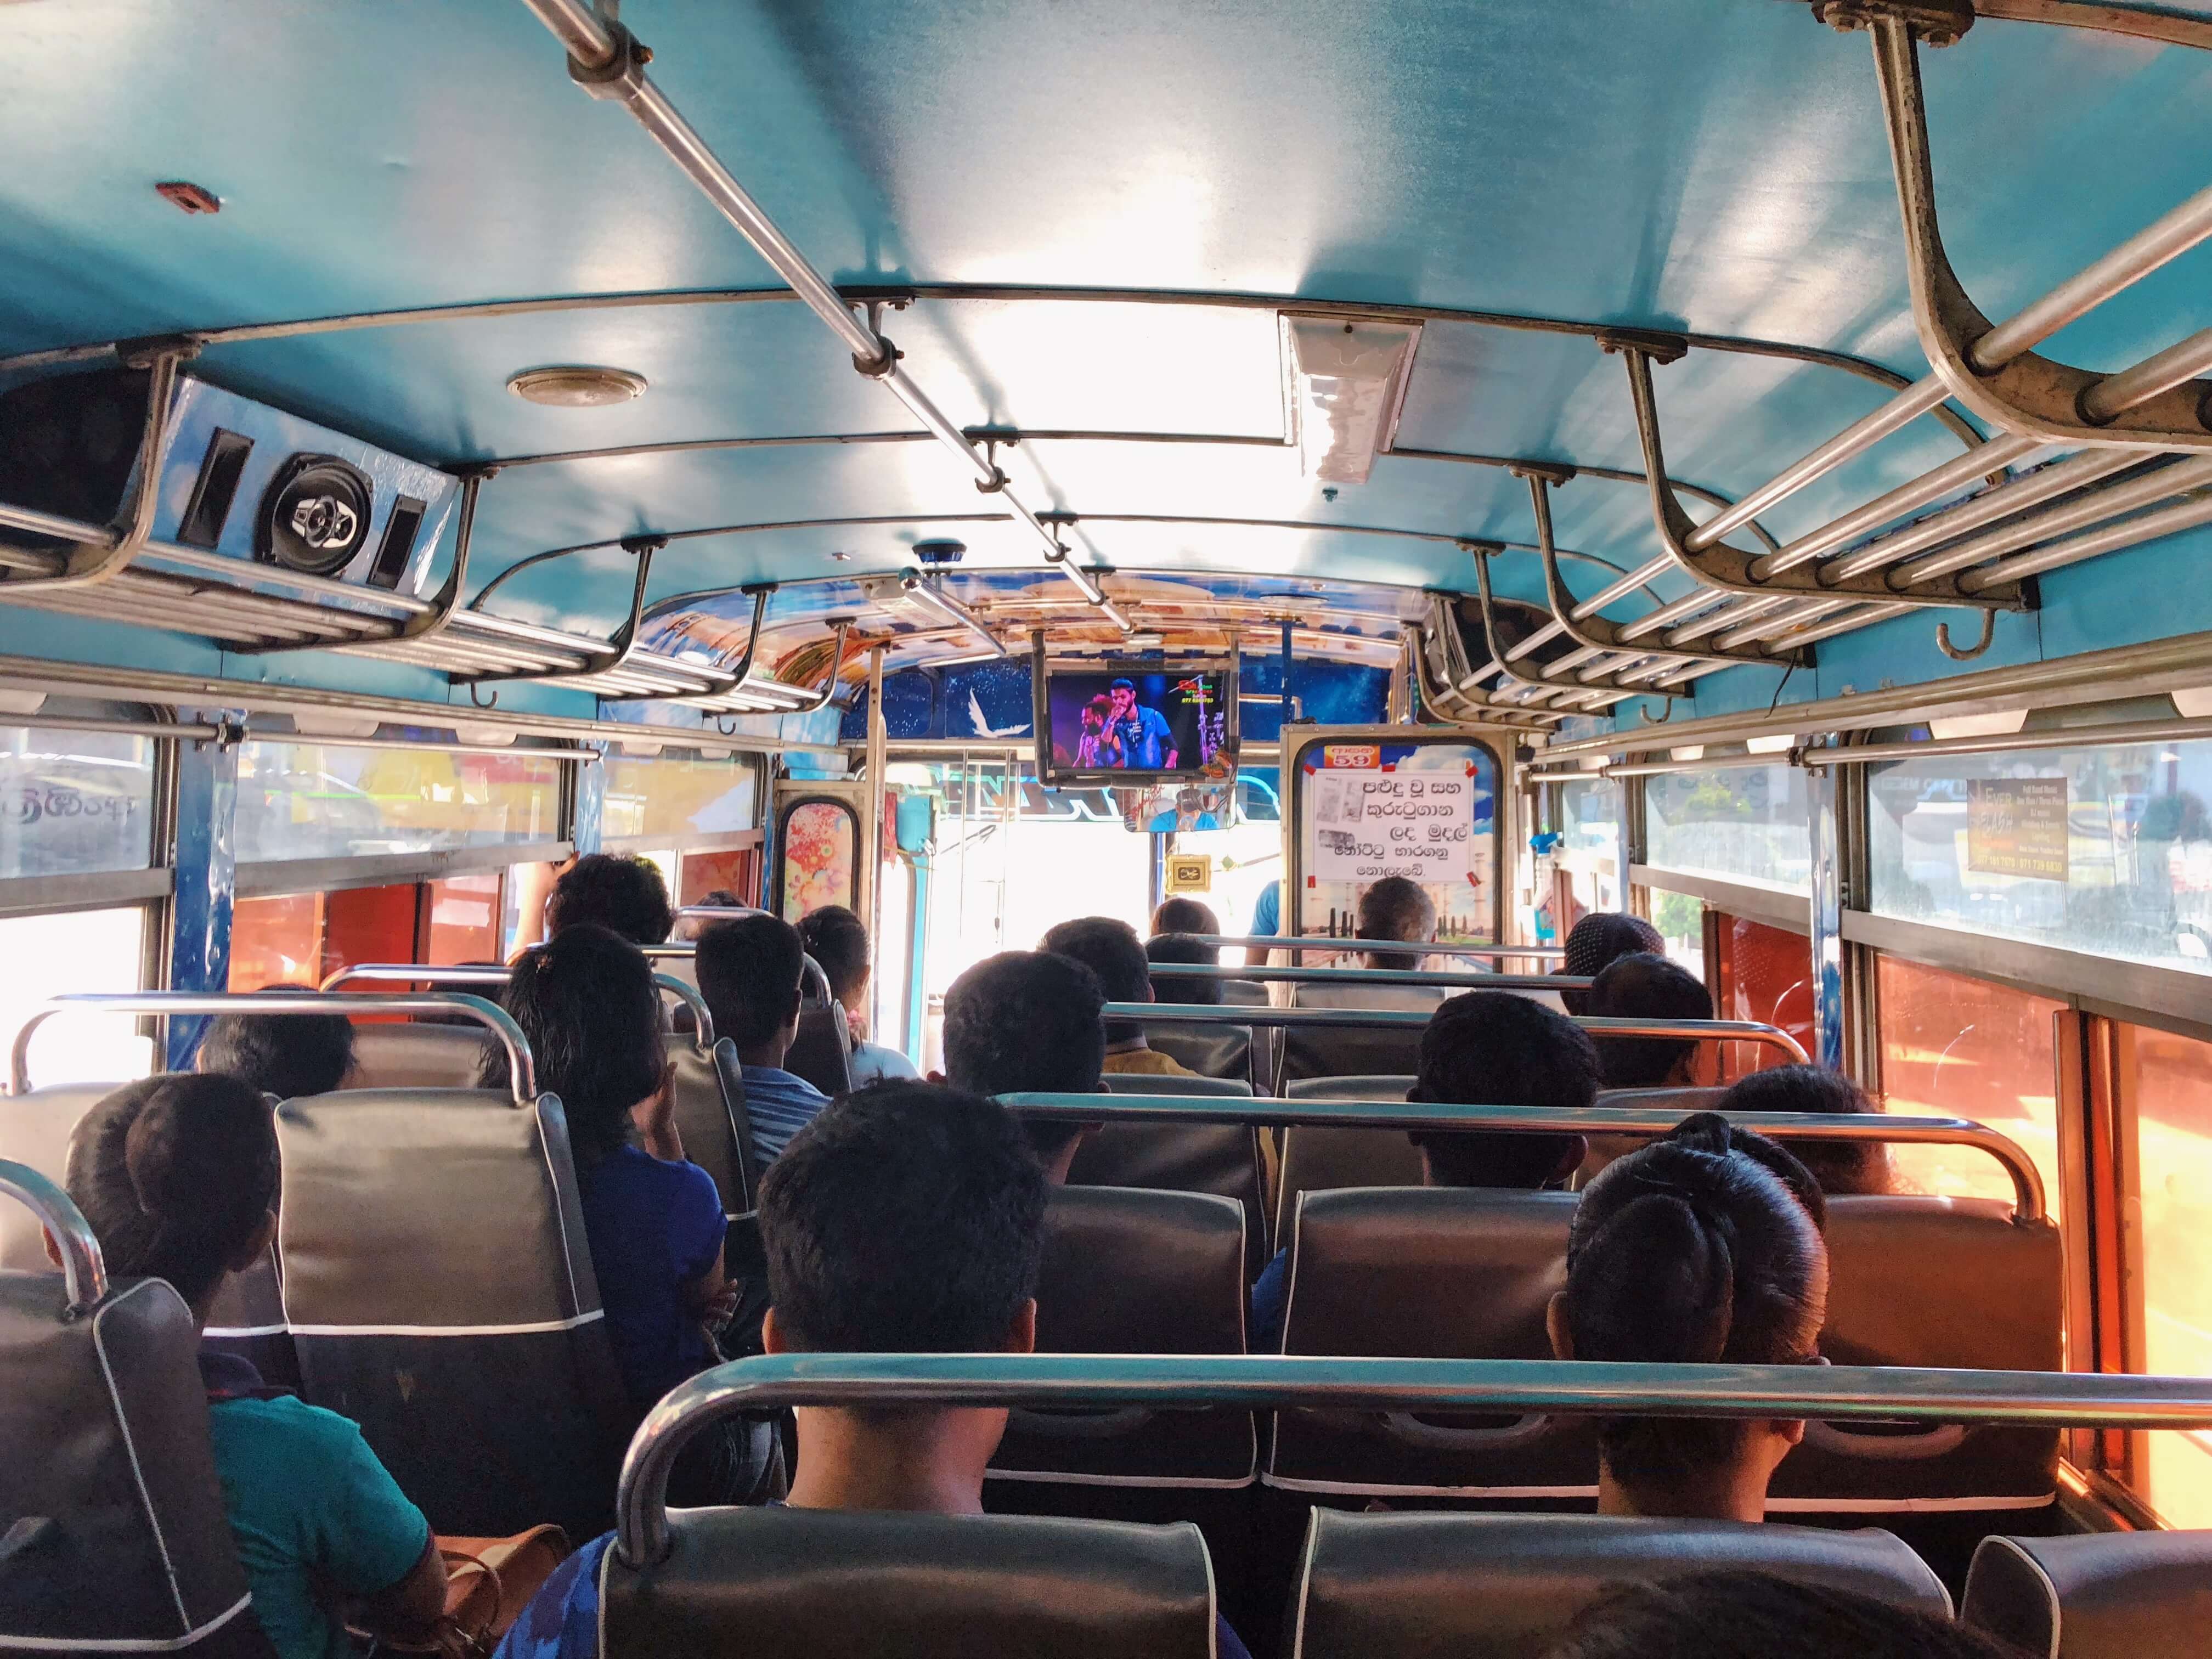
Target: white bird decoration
x=983 y=730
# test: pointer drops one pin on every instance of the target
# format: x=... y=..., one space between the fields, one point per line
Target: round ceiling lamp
x=577 y=385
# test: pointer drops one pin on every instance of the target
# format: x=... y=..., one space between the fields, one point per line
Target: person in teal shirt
x=177 y=1175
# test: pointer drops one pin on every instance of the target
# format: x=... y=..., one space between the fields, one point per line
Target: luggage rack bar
x=1374 y=976
x=771 y=1382
x=84 y=1271
x=1413 y=1020
x=402 y=973
x=522 y=1069
x=1350 y=945
x=2029 y=1202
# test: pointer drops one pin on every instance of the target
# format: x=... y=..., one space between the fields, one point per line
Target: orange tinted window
x=1765 y=973
x=736 y=872
x=1956 y=1047
x=277 y=941
x=463 y=924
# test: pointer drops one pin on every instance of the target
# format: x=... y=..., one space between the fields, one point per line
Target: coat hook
x=479 y=702
x=1989 y=634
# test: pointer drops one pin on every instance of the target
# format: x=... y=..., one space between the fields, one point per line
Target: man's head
x=1396 y=909
x=1026 y=1022
x=1111 y=949
x=1095 y=712
x=838 y=939
x=1165 y=949
x=1185 y=915
x=749 y=972
x=1124 y=694
x=905 y=1218
x=1495 y=1048
x=290 y=1056
x=624 y=894
x=1646 y=985
x=1599 y=940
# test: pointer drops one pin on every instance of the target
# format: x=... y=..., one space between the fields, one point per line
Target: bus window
x=301 y=938
x=1766 y=973
x=2164 y=1084
x=1742 y=823
x=1590 y=855
x=47 y=956
x=1681 y=920
x=735 y=871
x=463 y=923
x=1957 y=1046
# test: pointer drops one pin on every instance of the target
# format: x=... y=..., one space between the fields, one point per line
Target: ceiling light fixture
x=577 y=385
x=1347 y=382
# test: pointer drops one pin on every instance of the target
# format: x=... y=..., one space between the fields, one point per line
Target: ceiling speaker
x=314 y=515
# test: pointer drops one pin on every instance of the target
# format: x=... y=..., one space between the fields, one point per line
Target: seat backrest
x=1214 y=1051
x=439 y=1289
x=1683 y=1099
x=417 y=1054
x=1244 y=992
x=1222 y=1159
x=1127 y=1271
x=108 y=1494
x=2096 y=1595
x=1949 y=1282
x=1316 y=1158
x=823 y=1051
x=710 y=1117
x=1154 y=1083
x=844 y=1584
x=1506 y=1587
x=1324 y=1051
x=1428 y=1273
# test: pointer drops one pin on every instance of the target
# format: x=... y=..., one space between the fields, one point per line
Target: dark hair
x=1111 y=949
x=721 y=899
x=1840 y=1166
x=1704 y=1248
x=1494 y=1048
x=1756 y=1615
x=175 y=1173
x=1185 y=915
x=1643 y=986
x=1027 y=1021
x=625 y=894
x=905 y=1218
x=288 y=1056
x=586 y=1001
x=1123 y=685
x=1599 y=940
x=749 y=969
x=838 y=939
x=1182 y=988
x=1396 y=909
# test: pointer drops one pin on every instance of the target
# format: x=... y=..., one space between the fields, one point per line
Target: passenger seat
x=2101 y=1595
x=1316 y=1158
x=1349 y=1051
x=418 y=1054
x=1221 y=1158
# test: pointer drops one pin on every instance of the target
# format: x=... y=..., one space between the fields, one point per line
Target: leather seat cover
x=1127 y=1271
x=1222 y=1159
x=1315 y=1159
x=844 y=1584
x=710 y=1117
x=2099 y=1596
x=34 y=1132
x=1213 y=1051
x=418 y=1054
x=1315 y=1051
x=1506 y=1587
x=823 y=1051
x=1154 y=1083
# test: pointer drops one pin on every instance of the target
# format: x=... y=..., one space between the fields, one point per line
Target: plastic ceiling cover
x=1348 y=380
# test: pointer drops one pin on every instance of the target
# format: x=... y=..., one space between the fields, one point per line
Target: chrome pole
x=401 y=973
x=919 y=588
x=1341 y=947
x=1413 y=1019
x=84 y=1275
x=1372 y=976
x=2183 y=515
x=2162 y=371
x=2093 y=508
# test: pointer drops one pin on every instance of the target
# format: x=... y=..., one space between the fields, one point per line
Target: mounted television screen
x=1131 y=720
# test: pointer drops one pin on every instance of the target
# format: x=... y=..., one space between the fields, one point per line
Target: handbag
x=488 y=1581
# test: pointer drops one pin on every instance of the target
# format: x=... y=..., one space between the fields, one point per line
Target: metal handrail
x=1352 y=946
x=811 y=973
x=723 y=912
x=84 y=1273
x=770 y=1382
x=1374 y=976
x=522 y=1069
x=401 y=973
x=1604 y=1118
x=1413 y=1020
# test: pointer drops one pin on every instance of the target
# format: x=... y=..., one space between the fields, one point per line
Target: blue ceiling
x=1716 y=167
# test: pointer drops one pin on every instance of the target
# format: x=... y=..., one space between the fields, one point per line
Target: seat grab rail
x=521 y=1070
x=770 y=1382
x=811 y=973
x=84 y=1273
x=1413 y=1020
x=402 y=973
x=1374 y=976
x=1345 y=945
x=2028 y=1199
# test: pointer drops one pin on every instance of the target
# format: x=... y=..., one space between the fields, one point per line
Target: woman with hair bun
x=1706 y=1247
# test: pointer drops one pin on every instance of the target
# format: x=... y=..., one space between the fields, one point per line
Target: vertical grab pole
x=872 y=840
x=1827 y=915
x=206 y=872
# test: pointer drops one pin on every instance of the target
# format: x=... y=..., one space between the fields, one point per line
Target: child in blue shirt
x=177 y=1175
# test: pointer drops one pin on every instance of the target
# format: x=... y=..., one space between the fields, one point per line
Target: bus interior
x=1735 y=464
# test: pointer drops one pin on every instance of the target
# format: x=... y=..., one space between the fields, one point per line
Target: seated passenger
x=688 y=928
x=1111 y=949
x=1706 y=1247
x=1840 y=1166
x=905 y=1218
x=586 y=1001
x=1599 y=940
x=290 y=1056
x=838 y=939
x=1481 y=1049
x=1185 y=916
x=1396 y=909
x=1027 y=1022
x=1168 y=948
x=1757 y=1615
x=177 y=1175
x=1644 y=986
x=627 y=895
x=751 y=971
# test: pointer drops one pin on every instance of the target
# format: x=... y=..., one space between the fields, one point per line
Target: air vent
x=215 y=489
x=392 y=553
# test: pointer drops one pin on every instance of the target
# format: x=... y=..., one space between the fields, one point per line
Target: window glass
x=320 y=800
x=464 y=920
x=1589 y=852
x=678 y=799
x=2102 y=850
x=1740 y=823
x=302 y=939
x=42 y=956
x=735 y=871
x=2168 y=1081
x=1681 y=920
x=1763 y=974
x=1956 y=1047
x=74 y=803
